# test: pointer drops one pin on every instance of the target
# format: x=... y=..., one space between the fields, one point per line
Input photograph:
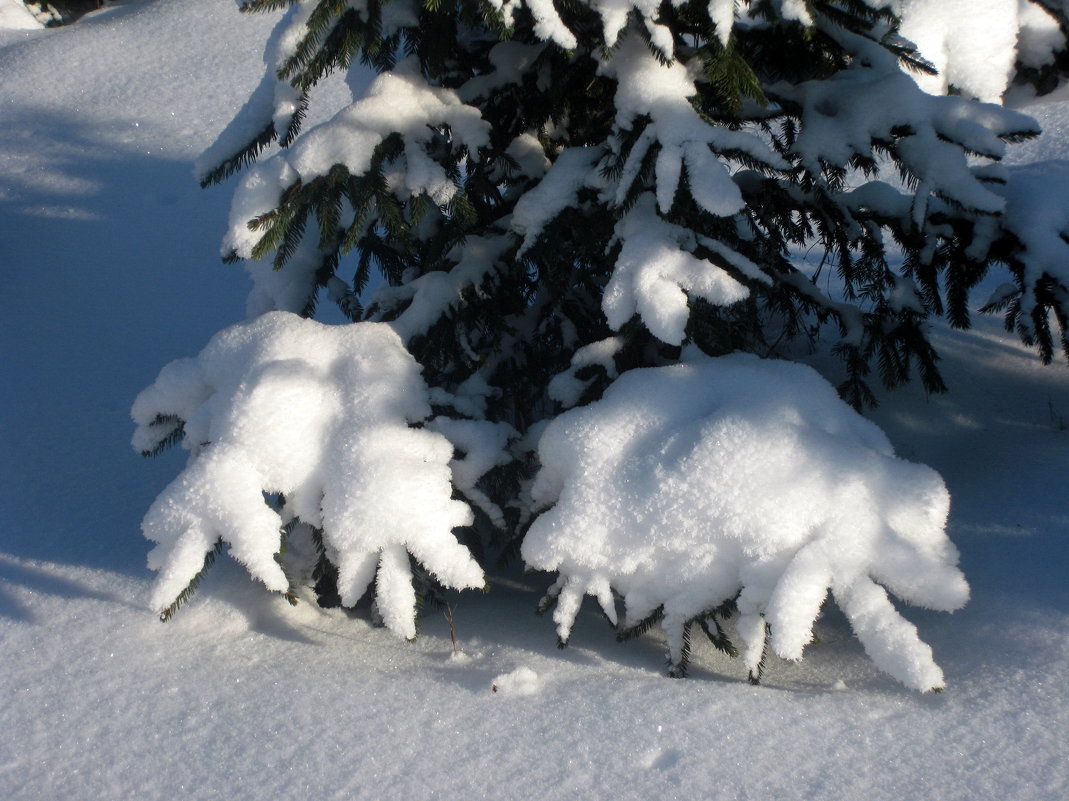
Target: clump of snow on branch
x=648 y=88
x=656 y=270
x=431 y=295
x=399 y=101
x=690 y=485
x=567 y=388
x=844 y=117
x=321 y=415
x=975 y=44
x=14 y=16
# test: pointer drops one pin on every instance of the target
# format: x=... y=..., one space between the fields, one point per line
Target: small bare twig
x=449 y=610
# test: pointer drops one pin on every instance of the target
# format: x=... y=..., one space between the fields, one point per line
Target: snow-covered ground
x=109 y=258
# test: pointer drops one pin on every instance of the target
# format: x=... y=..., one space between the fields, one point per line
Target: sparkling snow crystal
x=690 y=485
x=319 y=414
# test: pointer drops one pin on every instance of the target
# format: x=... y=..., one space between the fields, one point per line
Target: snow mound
x=689 y=486
x=320 y=415
x=521 y=681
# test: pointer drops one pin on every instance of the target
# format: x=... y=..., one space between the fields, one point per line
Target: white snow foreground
x=690 y=485
x=320 y=414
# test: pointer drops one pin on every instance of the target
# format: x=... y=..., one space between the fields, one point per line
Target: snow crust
x=321 y=415
x=689 y=485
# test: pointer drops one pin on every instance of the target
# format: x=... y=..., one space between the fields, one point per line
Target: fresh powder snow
x=109 y=256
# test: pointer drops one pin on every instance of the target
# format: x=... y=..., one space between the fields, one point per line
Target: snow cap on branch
x=656 y=270
x=689 y=485
x=398 y=101
x=321 y=415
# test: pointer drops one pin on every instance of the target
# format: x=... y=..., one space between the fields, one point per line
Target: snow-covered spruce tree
x=537 y=203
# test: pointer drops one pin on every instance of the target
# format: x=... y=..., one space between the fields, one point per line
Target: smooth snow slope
x=108 y=253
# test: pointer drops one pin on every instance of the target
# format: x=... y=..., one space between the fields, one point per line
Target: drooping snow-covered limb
x=394 y=595
x=722 y=14
x=1038 y=220
x=566 y=388
x=689 y=486
x=648 y=88
x=656 y=271
x=186 y=524
x=485 y=446
x=874 y=102
x=753 y=633
x=569 y=599
x=163 y=410
x=574 y=169
x=796 y=601
x=1030 y=236
x=356 y=571
x=321 y=415
x=511 y=61
x=600 y=588
x=889 y=640
x=399 y=101
x=975 y=47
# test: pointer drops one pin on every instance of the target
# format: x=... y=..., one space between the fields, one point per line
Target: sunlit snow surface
x=109 y=257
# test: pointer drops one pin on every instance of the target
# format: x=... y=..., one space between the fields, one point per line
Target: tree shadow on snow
x=39 y=580
x=111 y=269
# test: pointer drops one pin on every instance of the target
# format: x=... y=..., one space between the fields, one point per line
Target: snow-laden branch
x=397 y=102
x=655 y=273
x=688 y=486
x=646 y=88
x=321 y=415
